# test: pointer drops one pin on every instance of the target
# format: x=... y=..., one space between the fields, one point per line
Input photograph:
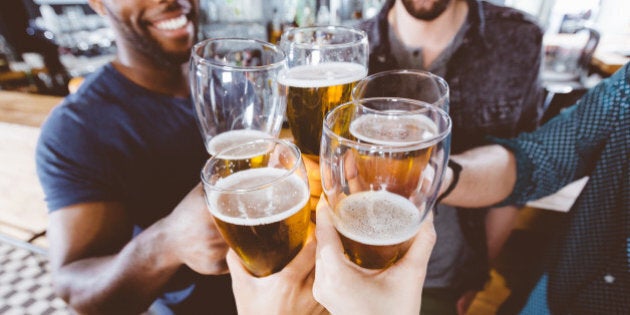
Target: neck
x=431 y=35
x=172 y=81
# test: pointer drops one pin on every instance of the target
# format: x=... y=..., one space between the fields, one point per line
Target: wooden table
x=608 y=62
x=26 y=109
x=22 y=207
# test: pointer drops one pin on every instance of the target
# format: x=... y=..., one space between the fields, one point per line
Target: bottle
x=274 y=28
x=323 y=15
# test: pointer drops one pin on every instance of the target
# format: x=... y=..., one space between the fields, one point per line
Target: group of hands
x=320 y=279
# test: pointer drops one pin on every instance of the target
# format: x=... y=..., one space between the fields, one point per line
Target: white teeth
x=172 y=24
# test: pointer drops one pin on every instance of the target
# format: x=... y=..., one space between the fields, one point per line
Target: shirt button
x=609 y=278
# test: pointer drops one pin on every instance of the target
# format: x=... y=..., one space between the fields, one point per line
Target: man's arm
x=488 y=176
x=97 y=270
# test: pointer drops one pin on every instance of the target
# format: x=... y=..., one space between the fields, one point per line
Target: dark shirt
x=494 y=91
x=588 y=264
x=116 y=141
x=492 y=76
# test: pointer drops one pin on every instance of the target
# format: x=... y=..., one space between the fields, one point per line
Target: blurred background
x=44 y=44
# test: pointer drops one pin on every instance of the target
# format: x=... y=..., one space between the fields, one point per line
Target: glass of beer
x=405 y=83
x=258 y=194
x=382 y=162
x=324 y=65
x=235 y=90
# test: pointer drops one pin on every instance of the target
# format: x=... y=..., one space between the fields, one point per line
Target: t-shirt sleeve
x=71 y=167
x=568 y=147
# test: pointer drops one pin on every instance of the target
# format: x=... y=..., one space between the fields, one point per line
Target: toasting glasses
x=235 y=90
x=324 y=64
x=382 y=162
x=258 y=195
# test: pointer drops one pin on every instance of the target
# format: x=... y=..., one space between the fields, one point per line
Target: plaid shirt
x=588 y=264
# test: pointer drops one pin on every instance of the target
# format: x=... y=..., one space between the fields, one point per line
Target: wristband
x=456 y=170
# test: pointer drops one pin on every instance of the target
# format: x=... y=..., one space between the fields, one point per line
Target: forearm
x=488 y=176
x=126 y=282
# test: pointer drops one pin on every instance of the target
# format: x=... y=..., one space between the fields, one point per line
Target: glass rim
x=441 y=81
x=213 y=63
x=362 y=37
x=287 y=172
x=416 y=145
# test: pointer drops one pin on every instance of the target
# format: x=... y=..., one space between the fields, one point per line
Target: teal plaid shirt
x=588 y=264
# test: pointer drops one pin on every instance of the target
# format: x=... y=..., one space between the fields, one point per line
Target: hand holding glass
x=382 y=162
x=258 y=195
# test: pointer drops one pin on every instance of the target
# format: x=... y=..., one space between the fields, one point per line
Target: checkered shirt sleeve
x=568 y=147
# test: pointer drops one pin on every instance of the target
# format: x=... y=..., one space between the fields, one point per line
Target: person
x=586 y=267
x=490 y=57
x=321 y=275
x=119 y=162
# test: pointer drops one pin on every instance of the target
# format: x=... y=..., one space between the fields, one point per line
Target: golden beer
x=246 y=156
x=230 y=138
x=376 y=227
x=313 y=90
x=266 y=227
x=398 y=168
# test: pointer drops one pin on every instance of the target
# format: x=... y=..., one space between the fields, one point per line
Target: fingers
x=324 y=230
x=312 y=169
x=236 y=269
x=420 y=251
x=314 y=180
x=304 y=262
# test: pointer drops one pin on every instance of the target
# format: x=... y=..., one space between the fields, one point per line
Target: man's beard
x=428 y=14
x=150 y=48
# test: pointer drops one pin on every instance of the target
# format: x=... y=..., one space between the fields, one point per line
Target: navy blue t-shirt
x=116 y=141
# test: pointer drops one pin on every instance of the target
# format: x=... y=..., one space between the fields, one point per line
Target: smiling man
x=119 y=163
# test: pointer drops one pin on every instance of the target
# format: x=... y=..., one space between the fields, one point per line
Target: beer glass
x=258 y=194
x=412 y=84
x=406 y=83
x=382 y=162
x=324 y=64
x=235 y=90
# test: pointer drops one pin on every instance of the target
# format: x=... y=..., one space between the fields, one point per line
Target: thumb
x=304 y=262
x=237 y=270
x=418 y=254
x=324 y=229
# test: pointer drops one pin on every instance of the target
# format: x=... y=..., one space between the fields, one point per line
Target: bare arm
x=97 y=270
x=488 y=176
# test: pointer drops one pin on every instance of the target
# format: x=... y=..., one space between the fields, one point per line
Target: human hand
x=345 y=288
x=288 y=291
x=192 y=236
x=314 y=180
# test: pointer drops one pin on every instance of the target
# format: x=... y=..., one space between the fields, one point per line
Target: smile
x=172 y=24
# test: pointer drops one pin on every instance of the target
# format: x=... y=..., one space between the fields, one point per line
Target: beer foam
x=287 y=197
x=233 y=137
x=398 y=130
x=323 y=74
x=377 y=218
